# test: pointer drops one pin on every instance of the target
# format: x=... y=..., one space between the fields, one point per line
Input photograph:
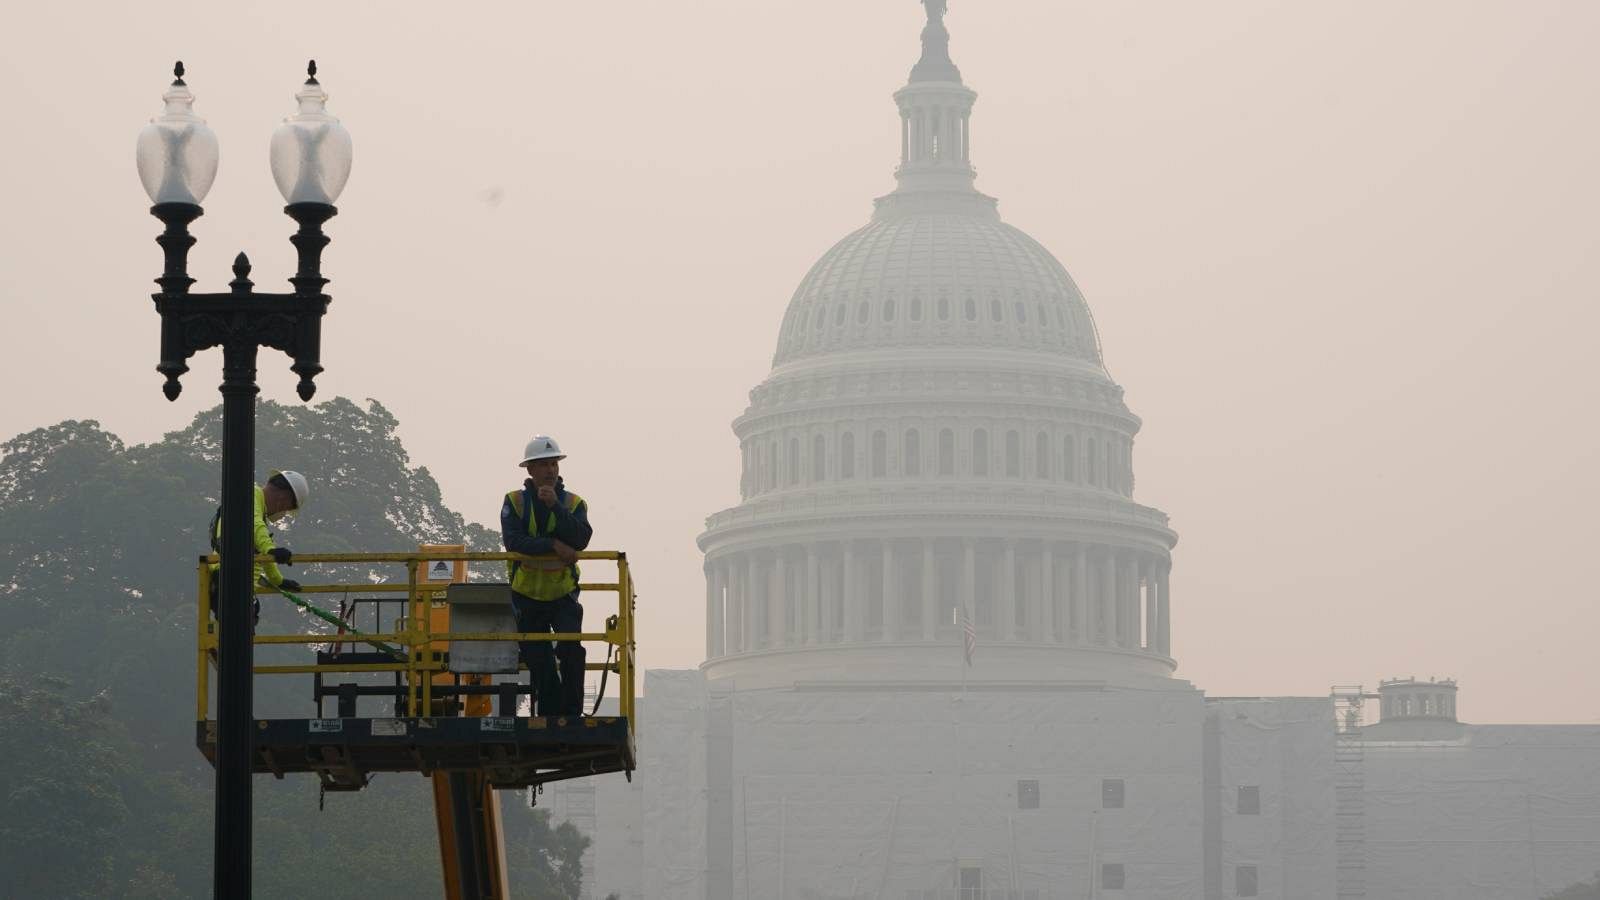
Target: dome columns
x=903 y=590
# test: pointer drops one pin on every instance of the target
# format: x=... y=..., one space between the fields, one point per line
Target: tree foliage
x=106 y=795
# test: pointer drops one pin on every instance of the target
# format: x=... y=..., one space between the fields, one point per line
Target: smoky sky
x=1342 y=258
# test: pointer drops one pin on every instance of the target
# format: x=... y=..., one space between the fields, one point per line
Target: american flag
x=969 y=635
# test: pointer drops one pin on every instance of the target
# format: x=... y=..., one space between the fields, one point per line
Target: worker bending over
x=543 y=518
x=284 y=493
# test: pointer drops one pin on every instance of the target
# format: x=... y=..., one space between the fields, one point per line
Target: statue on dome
x=936 y=9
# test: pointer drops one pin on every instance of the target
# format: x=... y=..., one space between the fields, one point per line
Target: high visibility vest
x=545 y=579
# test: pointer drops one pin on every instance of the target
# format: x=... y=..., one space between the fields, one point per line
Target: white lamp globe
x=311 y=150
x=177 y=153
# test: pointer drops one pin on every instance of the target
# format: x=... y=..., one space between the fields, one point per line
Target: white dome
x=938 y=445
x=936 y=280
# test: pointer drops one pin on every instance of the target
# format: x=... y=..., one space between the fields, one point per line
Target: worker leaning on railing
x=284 y=493
x=543 y=518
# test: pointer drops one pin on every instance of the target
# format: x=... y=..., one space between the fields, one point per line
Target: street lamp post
x=177 y=160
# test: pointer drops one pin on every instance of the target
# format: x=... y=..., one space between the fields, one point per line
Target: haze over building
x=940 y=442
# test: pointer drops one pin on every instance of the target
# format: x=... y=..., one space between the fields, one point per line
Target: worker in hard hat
x=544 y=519
x=285 y=492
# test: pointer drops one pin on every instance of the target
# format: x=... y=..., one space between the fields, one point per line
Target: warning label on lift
x=497 y=723
x=388 y=728
x=326 y=726
x=439 y=570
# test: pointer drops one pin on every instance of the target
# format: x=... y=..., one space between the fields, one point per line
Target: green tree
x=106 y=794
x=545 y=862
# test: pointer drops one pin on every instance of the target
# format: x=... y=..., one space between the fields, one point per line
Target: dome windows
x=1013 y=455
x=980 y=452
x=972 y=310
x=995 y=313
x=1022 y=313
x=861 y=313
x=947 y=452
x=819 y=318
x=847 y=455
x=819 y=458
x=912 y=462
x=838 y=315
x=1042 y=456
x=888 y=310
x=916 y=308
x=880 y=454
x=944 y=308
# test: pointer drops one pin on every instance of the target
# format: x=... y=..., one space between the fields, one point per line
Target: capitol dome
x=949 y=278
x=938 y=449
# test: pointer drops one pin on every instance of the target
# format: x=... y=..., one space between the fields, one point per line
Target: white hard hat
x=543 y=446
x=297 y=485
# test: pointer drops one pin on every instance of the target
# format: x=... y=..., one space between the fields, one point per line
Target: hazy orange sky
x=1343 y=258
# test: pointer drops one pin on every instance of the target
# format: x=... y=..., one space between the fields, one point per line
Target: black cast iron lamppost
x=177 y=159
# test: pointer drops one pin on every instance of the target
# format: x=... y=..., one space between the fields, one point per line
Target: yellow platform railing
x=422 y=660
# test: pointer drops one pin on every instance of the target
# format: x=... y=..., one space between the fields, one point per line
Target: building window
x=1111 y=793
x=888 y=310
x=944 y=309
x=816 y=319
x=980 y=452
x=1028 y=794
x=912 y=463
x=880 y=454
x=1245 y=882
x=847 y=455
x=994 y=310
x=970 y=884
x=1022 y=313
x=947 y=452
x=1041 y=456
x=1094 y=462
x=972 y=310
x=819 y=458
x=794 y=461
x=1112 y=876
x=1249 y=800
x=772 y=465
x=916 y=309
x=861 y=313
x=1069 y=458
x=1013 y=455
x=838 y=314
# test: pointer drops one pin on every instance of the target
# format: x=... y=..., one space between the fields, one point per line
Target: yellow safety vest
x=545 y=579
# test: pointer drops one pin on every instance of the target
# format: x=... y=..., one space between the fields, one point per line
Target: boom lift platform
x=433 y=705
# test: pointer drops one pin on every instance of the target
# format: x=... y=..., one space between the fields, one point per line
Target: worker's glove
x=290 y=585
x=281 y=556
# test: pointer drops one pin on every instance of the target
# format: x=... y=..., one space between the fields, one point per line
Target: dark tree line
x=104 y=791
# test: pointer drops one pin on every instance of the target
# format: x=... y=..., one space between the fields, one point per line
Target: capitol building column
x=1164 y=609
x=1080 y=596
x=969 y=579
x=891 y=595
x=811 y=607
x=1108 y=597
x=735 y=627
x=853 y=610
x=930 y=598
x=1046 y=619
x=777 y=600
x=1005 y=611
x=714 y=625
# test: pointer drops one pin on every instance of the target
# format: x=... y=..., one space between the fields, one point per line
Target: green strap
x=332 y=619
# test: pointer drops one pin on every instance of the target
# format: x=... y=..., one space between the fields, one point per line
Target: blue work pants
x=556 y=693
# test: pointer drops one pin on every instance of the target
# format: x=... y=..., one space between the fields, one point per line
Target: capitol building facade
x=938 y=632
